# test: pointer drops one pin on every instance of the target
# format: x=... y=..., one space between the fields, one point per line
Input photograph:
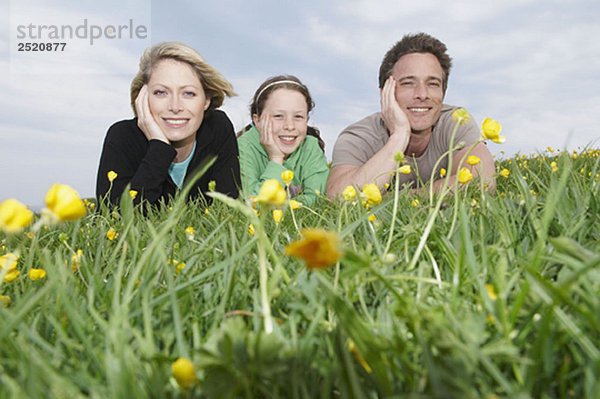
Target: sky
x=534 y=66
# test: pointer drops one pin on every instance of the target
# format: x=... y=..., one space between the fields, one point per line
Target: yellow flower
x=179 y=266
x=490 y=130
x=287 y=177
x=14 y=216
x=133 y=194
x=8 y=261
x=184 y=373
x=206 y=211
x=295 y=204
x=36 y=274
x=400 y=158
x=464 y=175
x=212 y=185
x=442 y=172
x=112 y=175
x=11 y=276
x=349 y=193
x=371 y=195
x=318 y=248
x=405 y=169
x=460 y=115
x=271 y=193
x=554 y=167
x=372 y=218
x=251 y=229
x=415 y=203
x=76 y=260
x=5 y=300
x=189 y=233
x=111 y=234
x=504 y=172
x=472 y=160
x=64 y=203
x=277 y=215
x=491 y=292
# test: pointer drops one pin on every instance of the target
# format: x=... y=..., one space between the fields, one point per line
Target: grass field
x=474 y=295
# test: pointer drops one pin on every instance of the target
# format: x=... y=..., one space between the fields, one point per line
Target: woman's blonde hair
x=216 y=87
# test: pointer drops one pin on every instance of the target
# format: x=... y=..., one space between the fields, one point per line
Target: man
x=413 y=78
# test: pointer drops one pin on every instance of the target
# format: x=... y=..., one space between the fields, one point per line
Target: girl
x=177 y=129
x=277 y=140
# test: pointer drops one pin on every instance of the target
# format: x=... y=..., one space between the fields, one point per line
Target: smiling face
x=289 y=112
x=419 y=90
x=177 y=100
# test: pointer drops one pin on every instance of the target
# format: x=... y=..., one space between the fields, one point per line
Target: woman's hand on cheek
x=268 y=140
x=146 y=121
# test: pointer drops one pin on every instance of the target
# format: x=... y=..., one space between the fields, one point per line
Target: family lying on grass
x=178 y=129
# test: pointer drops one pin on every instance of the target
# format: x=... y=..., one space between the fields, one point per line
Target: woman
x=177 y=130
x=277 y=140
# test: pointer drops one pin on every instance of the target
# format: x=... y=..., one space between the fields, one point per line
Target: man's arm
x=377 y=169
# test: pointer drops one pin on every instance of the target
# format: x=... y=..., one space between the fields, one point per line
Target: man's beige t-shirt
x=363 y=139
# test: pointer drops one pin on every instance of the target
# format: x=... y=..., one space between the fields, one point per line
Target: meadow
x=468 y=295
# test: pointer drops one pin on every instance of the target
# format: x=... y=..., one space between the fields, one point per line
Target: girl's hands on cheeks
x=146 y=121
x=267 y=139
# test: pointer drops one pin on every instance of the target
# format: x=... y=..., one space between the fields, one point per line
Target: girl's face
x=288 y=112
x=177 y=100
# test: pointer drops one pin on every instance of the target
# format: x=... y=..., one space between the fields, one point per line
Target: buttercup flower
x=179 y=266
x=287 y=177
x=554 y=167
x=349 y=193
x=11 y=276
x=371 y=195
x=295 y=204
x=4 y=300
x=271 y=193
x=63 y=203
x=400 y=158
x=111 y=234
x=372 y=218
x=504 y=172
x=460 y=115
x=14 y=216
x=405 y=169
x=133 y=194
x=37 y=274
x=76 y=260
x=318 y=248
x=112 y=175
x=184 y=373
x=189 y=233
x=464 y=175
x=491 y=292
x=277 y=215
x=472 y=160
x=490 y=130
x=442 y=172
x=415 y=202
x=8 y=261
x=251 y=229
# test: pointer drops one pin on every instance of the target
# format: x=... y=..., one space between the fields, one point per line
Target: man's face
x=419 y=91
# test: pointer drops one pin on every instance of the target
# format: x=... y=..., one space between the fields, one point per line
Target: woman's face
x=289 y=113
x=177 y=100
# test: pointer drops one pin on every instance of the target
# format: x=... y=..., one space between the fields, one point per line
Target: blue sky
x=532 y=65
